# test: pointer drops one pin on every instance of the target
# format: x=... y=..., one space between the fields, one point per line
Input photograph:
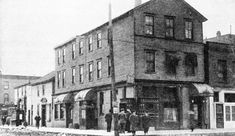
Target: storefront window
x=170 y=114
x=56 y=111
x=227 y=112
x=229 y=97
x=61 y=111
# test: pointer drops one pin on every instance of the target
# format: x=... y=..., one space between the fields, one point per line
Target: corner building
x=159 y=68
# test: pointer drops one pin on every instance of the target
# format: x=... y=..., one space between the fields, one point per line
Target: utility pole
x=113 y=98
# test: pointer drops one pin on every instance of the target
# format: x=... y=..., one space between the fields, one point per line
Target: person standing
x=122 y=121
x=3 y=119
x=8 y=120
x=128 y=113
x=134 y=122
x=37 y=119
x=146 y=122
x=108 y=119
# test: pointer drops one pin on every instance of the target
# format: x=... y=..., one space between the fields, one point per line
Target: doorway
x=69 y=113
x=43 y=115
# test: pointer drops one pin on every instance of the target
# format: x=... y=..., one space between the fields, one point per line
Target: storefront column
x=185 y=107
x=212 y=113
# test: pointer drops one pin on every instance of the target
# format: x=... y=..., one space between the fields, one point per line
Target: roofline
x=44 y=81
x=19 y=76
x=25 y=84
x=66 y=42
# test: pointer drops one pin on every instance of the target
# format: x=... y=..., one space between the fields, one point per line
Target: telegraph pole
x=113 y=102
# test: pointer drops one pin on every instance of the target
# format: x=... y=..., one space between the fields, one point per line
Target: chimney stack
x=137 y=3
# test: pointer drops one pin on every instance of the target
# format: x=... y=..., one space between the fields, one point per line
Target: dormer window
x=149 y=24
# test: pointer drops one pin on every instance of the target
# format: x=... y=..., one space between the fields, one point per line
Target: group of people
x=129 y=121
x=6 y=120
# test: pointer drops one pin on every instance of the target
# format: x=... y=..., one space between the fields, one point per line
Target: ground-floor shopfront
x=224 y=108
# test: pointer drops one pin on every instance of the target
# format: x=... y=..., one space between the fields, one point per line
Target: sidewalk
x=78 y=132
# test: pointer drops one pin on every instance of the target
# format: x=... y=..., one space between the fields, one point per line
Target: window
x=80 y=48
x=190 y=64
x=56 y=111
x=171 y=62
x=109 y=66
x=150 y=61
x=38 y=91
x=63 y=57
x=81 y=73
x=99 y=40
x=58 y=79
x=90 y=48
x=6 y=85
x=61 y=111
x=216 y=96
x=73 y=75
x=73 y=51
x=98 y=69
x=169 y=26
x=90 y=70
x=6 y=98
x=63 y=78
x=101 y=101
x=222 y=70
x=43 y=89
x=188 y=29
x=229 y=97
x=227 y=113
x=58 y=56
x=149 y=24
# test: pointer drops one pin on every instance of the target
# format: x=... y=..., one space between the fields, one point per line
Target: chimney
x=218 y=34
x=137 y=3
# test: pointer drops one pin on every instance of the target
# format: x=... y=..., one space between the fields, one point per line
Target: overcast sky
x=30 y=29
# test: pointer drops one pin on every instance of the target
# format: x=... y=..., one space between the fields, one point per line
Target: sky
x=30 y=29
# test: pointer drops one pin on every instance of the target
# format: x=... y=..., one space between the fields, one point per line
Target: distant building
x=7 y=94
x=159 y=68
x=220 y=74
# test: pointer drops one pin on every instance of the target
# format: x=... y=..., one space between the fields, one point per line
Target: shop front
x=63 y=110
x=85 y=109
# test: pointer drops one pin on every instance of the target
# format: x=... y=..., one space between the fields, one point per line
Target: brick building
x=159 y=68
x=220 y=74
x=7 y=94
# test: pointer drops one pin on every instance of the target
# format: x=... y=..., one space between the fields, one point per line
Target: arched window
x=6 y=98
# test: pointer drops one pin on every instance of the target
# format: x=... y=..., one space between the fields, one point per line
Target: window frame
x=99 y=69
x=81 y=47
x=187 y=29
x=147 y=62
x=90 y=44
x=90 y=71
x=223 y=71
x=58 y=56
x=170 y=70
x=148 y=25
x=73 y=75
x=62 y=111
x=63 y=55
x=81 y=74
x=73 y=51
x=63 y=78
x=99 y=42
x=169 y=27
x=43 y=90
x=58 y=79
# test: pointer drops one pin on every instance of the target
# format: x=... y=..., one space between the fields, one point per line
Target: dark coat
x=108 y=117
x=146 y=122
x=37 y=119
x=134 y=122
x=122 y=117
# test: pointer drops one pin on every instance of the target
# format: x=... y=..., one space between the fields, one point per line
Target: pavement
x=78 y=132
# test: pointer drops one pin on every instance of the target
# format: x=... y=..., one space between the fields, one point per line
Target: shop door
x=43 y=115
x=90 y=118
x=198 y=107
x=68 y=114
x=219 y=116
x=229 y=115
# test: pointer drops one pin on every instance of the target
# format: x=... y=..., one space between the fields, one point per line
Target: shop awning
x=64 y=98
x=204 y=89
x=84 y=95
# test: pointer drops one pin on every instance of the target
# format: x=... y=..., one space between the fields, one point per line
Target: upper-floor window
x=222 y=70
x=38 y=92
x=80 y=47
x=109 y=66
x=190 y=64
x=150 y=61
x=58 y=79
x=81 y=73
x=63 y=56
x=169 y=26
x=171 y=62
x=6 y=85
x=188 y=29
x=63 y=78
x=58 y=56
x=73 y=50
x=73 y=75
x=43 y=89
x=6 y=98
x=90 y=47
x=149 y=24
x=90 y=71
x=99 y=69
x=99 y=40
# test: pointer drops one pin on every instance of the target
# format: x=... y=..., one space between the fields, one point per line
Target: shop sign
x=44 y=100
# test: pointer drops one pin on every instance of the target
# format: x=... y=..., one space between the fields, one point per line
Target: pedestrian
x=8 y=120
x=146 y=122
x=37 y=119
x=3 y=119
x=192 y=121
x=128 y=113
x=134 y=122
x=122 y=121
x=108 y=119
